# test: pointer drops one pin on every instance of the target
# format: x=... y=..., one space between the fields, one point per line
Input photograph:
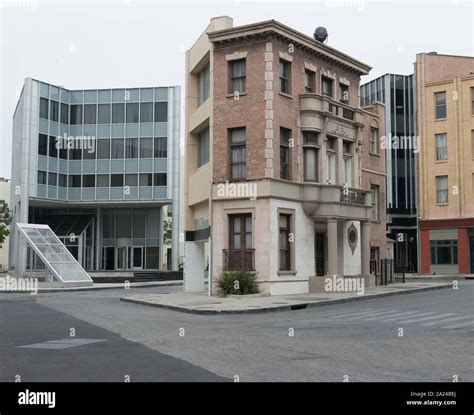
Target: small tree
x=167 y=231
x=5 y=220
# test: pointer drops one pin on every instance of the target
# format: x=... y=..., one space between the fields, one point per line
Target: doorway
x=108 y=258
x=138 y=261
x=319 y=253
x=471 y=252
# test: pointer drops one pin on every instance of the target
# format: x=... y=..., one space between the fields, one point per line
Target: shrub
x=237 y=283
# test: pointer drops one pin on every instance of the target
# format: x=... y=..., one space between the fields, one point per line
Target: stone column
x=365 y=247
x=332 y=246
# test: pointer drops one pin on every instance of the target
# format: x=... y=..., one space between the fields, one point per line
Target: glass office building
x=98 y=166
x=397 y=93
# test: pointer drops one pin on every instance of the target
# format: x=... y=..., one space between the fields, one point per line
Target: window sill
x=241 y=94
x=440 y=119
x=441 y=161
x=375 y=154
x=442 y=204
x=284 y=94
x=291 y=272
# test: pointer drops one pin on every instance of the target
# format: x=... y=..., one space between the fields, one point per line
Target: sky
x=127 y=43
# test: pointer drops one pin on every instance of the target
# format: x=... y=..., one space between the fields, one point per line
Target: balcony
x=317 y=106
x=336 y=201
x=238 y=259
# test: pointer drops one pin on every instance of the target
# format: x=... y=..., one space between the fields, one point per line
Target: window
x=442 y=189
x=116 y=180
x=375 y=202
x=132 y=113
x=75 y=114
x=284 y=242
x=63 y=153
x=103 y=180
x=346 y=147
x=117 y=148
x=118 y=113
x=52 y=179
x=90 y=113
x=74 y=180
x=146 y=148
x=159 y=179
x=331 y=167
x=103 y=149
x=237 y=71
x=311 y=164
x=44 y=108
x=43 y=145
x=160 y=150
x=131 y=148
x=285 y=74
x=285 y=167
x=62 y=180
x=472 y=100
x=344 y=93
x=326 y=86
x=145 y=179
x=441 y=146
x=203 y=84
x=240 y=255
x=131 y=180
x=203 y=147
x=53 y=150
x=54 y=111
x=309 y=84
x=237 y=137
x=88 y=180
x=146 y=112
x=88 y=153
x=331 y=143
x=444 y=252
x=310 y=137
x=440 y=104
x=104 y=113
x=348 y=171
x=373 y=140
x=75 y=154
x=41 y=177
x=64 y=113
x=161 y=111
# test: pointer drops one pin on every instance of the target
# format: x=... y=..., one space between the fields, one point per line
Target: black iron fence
x=241 y=259
x=388 y=271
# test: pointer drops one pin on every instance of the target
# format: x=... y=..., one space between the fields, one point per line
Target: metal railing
x=389 y=271
x=352 y=196
x=238 y=259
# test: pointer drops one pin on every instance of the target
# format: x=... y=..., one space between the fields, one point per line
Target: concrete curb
x=289 y=307
x=95 y=288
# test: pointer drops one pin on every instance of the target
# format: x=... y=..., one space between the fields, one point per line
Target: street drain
x=298 y=306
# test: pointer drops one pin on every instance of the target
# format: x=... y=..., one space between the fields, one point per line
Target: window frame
x=284 y=78
x=235 y=146
x=286 y=148
x=438 y=190
x=241 y=78
x=309 y=81
x=438 y=106
x=330 y=83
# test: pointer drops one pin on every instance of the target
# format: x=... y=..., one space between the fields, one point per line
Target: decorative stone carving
x=352 y=237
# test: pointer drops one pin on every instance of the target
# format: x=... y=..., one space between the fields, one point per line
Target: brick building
x=284 y=174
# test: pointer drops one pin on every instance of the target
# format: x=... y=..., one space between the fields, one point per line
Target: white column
x=332 y=246
x=365 y=247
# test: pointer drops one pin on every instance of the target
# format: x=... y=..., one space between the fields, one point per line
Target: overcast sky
x=128 y=43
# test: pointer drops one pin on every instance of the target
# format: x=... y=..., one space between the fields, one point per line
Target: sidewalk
x=201 y=303
x=54 y=287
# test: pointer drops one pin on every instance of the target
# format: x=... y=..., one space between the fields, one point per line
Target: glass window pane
x=145 y=179
x=139 y=223
x=54 y=111
x=103 y=180
x=146 y=112
x=44 y=108
x=90 y=113
x=160 y=179
x=117 y=148
x=146 y=147
x=161 y=111
x=160 y=149
x=132 y=112
x=103 y=149
x=104 y=113
x=64 y=113
x=131 y=179
x=52 y=179
x=43 y=144
x=75 y=114
x=116 y=180
x=131 y=151
x=118 y=113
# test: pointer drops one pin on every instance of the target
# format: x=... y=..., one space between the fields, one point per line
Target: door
x=471 y=252
x=319 y=253
x=108 y=258
x=122 y=257
x=138 y=257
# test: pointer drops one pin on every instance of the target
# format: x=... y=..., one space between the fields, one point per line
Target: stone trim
x=328 y=74
x=236 y=55
x=268 y=77
x=310 y=66
x=344 y=81
x=286 y=56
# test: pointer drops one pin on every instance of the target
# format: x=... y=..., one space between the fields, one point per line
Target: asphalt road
x=427 y=336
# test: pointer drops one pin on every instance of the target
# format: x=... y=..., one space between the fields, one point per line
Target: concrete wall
x=4 y=249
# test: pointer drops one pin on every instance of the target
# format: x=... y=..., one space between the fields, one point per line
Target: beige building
x=284 y=176
x=4 y=249
x=445 y=126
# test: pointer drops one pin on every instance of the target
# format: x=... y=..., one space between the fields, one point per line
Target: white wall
x=352 y=262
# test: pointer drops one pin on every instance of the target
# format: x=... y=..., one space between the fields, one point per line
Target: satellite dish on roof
x=321 y=34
